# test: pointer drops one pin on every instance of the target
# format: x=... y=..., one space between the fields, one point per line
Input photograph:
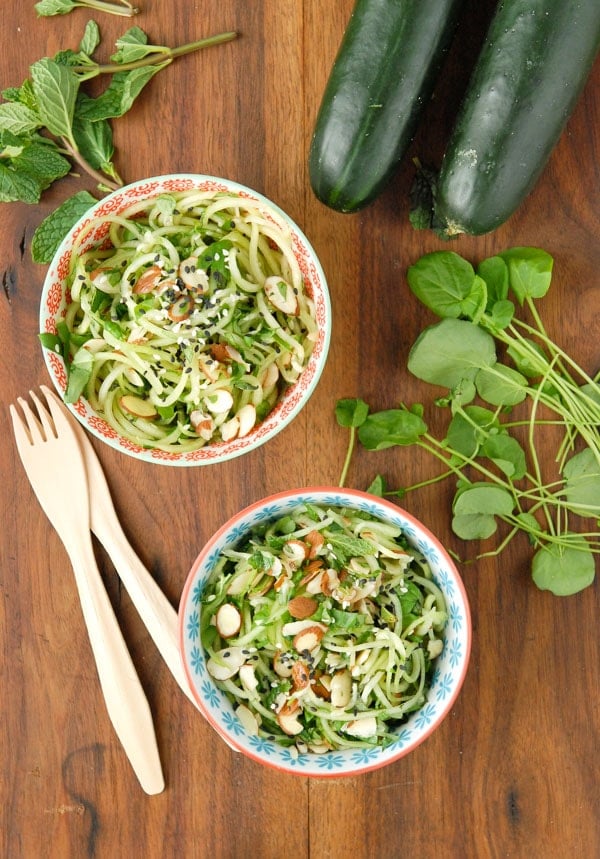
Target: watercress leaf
x=18 y=118
x=564 y=569
x=390 y=428
x=461 y=395
x=531 y=526
x=450 y=351
x=582 y=483
x=494 y=272
x=377 y=486
x=351 y=413
x=501 y=385
x=474 y=526
x=53 y=229
x=484 y=498
x=529 y=358
x=506 y=452
x=501 y=314
x=446 y=283
x=469 y=428
x=46 y=8
x=55 y=87
x=592 y=390
x=529 y=272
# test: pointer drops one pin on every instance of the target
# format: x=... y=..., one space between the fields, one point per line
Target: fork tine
x=22 y=436
x=61 y=421
x=45 y=420
x=34 y=428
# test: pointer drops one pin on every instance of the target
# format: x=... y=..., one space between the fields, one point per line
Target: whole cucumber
x=535 y=61
x=381 y=79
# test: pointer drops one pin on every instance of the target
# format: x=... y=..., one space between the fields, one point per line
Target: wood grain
x=513 y=771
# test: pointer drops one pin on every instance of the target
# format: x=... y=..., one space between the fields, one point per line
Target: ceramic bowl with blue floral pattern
x=449 y=668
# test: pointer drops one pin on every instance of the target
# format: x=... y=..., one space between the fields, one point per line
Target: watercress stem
x=348 y=459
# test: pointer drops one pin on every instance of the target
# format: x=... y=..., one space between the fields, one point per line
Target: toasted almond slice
x=283 y=664
x=287 y=718
x=319 y=687
x=300 y=676
x=307 y=640
x=138 y=407
x=269 y=377
x=203 y=424
x=315 y=540
x=229 y=429
x=296 y=552
x=300 y=607
x=193 y=277
x=248 y=719
x=366 y=727
x=219 y=401
x=209 y=367
x=228 y=620
x=181 y=308
x=248 y=677
x=281 y=295
x=148 y=281
x=226 y=663
x=295 y=626
x=341 y=689
x=247 y=418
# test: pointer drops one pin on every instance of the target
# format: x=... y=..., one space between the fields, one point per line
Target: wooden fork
x=54 y=464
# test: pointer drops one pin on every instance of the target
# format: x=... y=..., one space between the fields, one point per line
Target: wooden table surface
x=513 y=771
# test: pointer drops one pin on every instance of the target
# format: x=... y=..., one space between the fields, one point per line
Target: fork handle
x=125 y=699
x=153 y=607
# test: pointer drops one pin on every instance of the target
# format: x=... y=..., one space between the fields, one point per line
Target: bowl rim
x=294 y=397
x=352 y=497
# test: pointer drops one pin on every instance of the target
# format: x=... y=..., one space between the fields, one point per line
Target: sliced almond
x=295 y=626
x=300 y=676
x=148 y=281
x=248 y=677
x=315 y=540
x=283 y=664
x=99 y=278
x=230 y=429
x=181 y=308
x=209 y=367
x=248 y=719
x=268 y=378
x=300 y=607
x=281 y=295
x=138 y=407
x=366 y=727
x=193 y=277
x=296 y=552
x=320 y=686
x=341 y=689
x=219 y=402
x=226 y=663
x=287 y=719
x=307 y=640
x=203 y=424
x=228 y=620
x=247 y=418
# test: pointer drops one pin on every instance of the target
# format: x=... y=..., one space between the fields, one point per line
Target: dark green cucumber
x=535 y=61
x=382 y=77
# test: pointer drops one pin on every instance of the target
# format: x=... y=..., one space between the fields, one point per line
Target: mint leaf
x=18 y=118
x=45 y=8
x=55 y=227
x=94 y=139
x=55 y=87
x=90 y=39
x=17 y=186
x=133 y=46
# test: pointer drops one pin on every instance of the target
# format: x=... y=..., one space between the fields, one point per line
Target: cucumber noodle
x=186 y=325
x=350 y=671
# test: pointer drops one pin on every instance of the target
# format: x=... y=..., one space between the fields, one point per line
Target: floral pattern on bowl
x=55 y=299
x=449 y=672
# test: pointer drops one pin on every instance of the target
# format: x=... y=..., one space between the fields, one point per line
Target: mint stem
x=163 y=55
x=111 y=8
x=101 y=178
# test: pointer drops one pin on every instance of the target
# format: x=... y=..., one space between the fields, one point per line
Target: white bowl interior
x=449 y=671
x=55 y=299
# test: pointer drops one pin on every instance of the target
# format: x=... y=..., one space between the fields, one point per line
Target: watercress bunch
x=490 y=358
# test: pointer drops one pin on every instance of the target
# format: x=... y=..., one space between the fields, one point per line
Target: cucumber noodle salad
x=322 y=628
x=185 y=326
